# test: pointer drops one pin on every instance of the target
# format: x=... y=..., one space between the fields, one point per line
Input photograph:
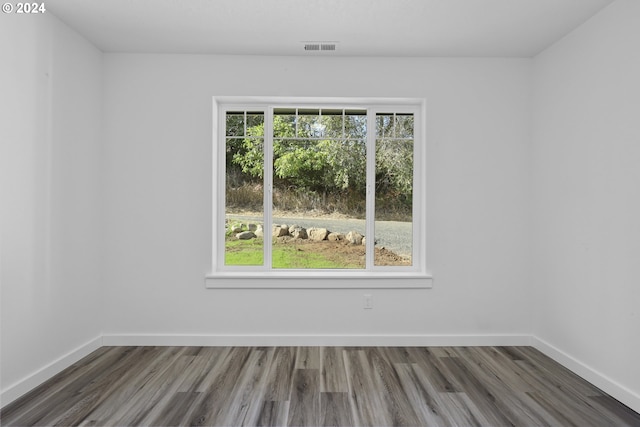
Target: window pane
x=319 y=195
x=356 y=125
x=309 y=124
x=244 y=204
x=255 y=124
x=235 y=124
x=284 y=125
x=332 y=125
x=394 y=194
x=404 y=126
x=384 y=125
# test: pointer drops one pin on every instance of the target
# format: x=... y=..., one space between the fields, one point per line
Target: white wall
x=50 y=248
x=158 y=142
x=586 y=228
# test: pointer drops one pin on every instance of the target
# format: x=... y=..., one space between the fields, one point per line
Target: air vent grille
x=320 y=46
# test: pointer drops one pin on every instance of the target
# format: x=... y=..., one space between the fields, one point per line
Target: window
x=318 y=189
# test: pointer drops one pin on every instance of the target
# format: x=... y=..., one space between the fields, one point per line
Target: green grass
x=289 y=257
x=243 y=252
x=250 y=252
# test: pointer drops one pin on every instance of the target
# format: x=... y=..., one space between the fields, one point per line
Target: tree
x=394 y=166
x=307 y=159
x=326 y=154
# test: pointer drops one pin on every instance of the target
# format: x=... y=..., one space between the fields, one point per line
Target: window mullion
x=220 y=222
x=370 y=197
x=268 y=188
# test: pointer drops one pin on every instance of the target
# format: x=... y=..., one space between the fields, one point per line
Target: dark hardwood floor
x=317 y=386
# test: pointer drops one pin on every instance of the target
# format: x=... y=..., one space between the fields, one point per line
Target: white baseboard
x=316 y=340
x=33 y=380
x=604 y=383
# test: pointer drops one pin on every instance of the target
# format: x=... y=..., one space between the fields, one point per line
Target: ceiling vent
x=320 y=46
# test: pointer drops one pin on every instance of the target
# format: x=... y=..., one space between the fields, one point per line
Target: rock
x=279 y=231
x=259 y=231
x=364 y=241
x=317 y=234
x=252 y=227
x=298 y=232
x=354 y=238
x=335 y=237
x=236 y=228
x=246 y=235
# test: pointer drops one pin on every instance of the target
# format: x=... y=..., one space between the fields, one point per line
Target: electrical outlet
x=368 y=302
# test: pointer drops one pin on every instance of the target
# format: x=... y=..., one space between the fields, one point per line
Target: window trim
x=416 y=276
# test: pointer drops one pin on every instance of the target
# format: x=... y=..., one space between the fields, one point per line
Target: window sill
x=327 y=280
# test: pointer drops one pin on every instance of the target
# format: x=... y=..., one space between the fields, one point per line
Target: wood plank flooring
x=317 y=386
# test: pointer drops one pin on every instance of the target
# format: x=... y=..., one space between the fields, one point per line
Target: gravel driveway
x=393 y=235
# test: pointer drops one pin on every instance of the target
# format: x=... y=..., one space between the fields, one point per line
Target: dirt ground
x=343 y=251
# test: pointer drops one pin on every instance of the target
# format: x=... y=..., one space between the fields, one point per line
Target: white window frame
x=237 y=277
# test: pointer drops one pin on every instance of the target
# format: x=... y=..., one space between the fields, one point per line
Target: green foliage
x=327 y=154
x=250 y=157
x=306 y=160
x=347 y=167
x=394 y=167
x=244 y=138
x=301 y=166
x=249 y=151
x=394 y=156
